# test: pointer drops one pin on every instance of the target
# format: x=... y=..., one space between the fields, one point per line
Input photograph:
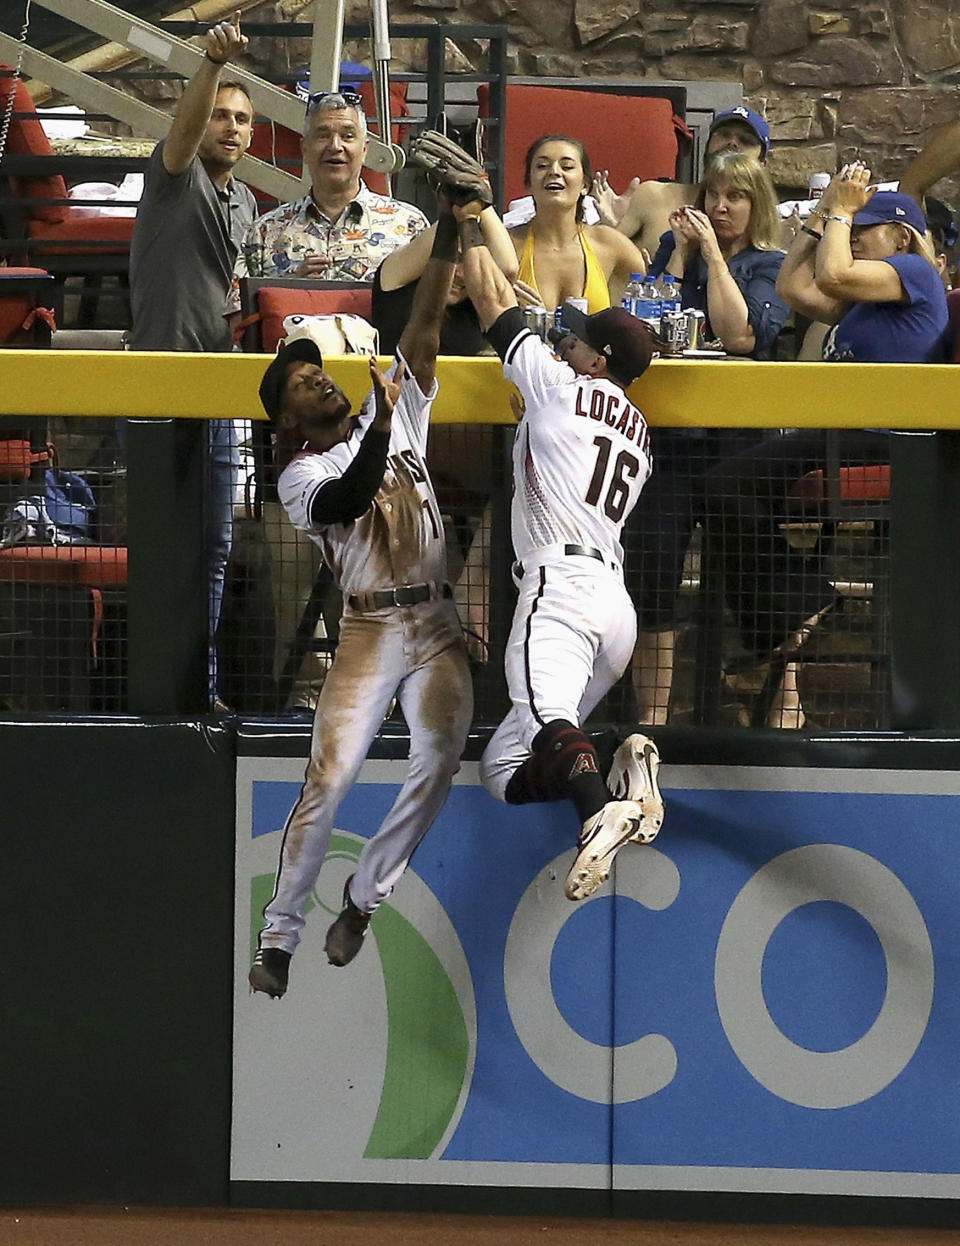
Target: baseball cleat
x=345 y=936
x=633 y=776
x=269 y=971
x=602 y=837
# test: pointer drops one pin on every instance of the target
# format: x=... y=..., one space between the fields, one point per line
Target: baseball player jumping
x=580 y=459
x=359 y=486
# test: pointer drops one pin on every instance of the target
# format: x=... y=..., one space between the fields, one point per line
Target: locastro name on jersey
x=616 y=411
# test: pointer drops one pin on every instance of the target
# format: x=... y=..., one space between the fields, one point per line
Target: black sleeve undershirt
x=504 y=330
x=346 y=498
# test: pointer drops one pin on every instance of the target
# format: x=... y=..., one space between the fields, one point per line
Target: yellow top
x=595 y=288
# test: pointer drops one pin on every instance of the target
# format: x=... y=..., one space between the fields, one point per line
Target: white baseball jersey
x=581 y=454
x=399 y=539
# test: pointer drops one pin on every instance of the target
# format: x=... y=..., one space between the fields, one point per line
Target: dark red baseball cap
x=626 y=341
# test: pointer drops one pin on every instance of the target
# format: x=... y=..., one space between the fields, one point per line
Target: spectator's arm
x=940 y=157
x=407 y=263
x=643 y=206
x=839 y=276
x=627 y=259
x=199 y=96
x=727 y=310
x=797 y=284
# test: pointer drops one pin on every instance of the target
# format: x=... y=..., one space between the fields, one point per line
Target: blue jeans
x=223 y=470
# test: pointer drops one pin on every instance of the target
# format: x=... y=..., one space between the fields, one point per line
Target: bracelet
x=804 y=229
x=214 y=61
x=844 y=220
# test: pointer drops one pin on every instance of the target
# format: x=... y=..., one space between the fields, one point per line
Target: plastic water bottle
x=648 y=307
x=669 y=294
x=632 y=294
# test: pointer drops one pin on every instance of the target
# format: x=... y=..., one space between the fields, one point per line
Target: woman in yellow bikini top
x=559 y=256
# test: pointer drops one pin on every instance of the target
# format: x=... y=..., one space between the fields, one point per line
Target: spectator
x=871 y=275
x=560 y=257
x=643 y=211
x=190 y=221
x=340 y=230
x=725 y=251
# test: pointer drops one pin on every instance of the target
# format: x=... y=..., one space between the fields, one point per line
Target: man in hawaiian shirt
x=340 y=231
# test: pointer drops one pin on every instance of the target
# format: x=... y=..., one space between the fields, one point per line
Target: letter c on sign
x=831 y=1079
x=585 y=1069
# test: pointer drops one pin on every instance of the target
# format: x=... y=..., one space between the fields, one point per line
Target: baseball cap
x=625 y=341
x=300 y=350
x=753 y=119
x=890 y=206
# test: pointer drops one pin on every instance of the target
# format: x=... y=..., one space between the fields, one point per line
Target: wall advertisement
x=767 y=999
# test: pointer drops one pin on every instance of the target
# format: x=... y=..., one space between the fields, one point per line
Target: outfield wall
x=760 y=1013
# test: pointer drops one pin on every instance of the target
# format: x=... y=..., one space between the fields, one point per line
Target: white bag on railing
x=337 y=334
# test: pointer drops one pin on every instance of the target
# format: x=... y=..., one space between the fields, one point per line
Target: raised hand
x=385 y=388
x=852 y=190
x=224 y=41
x=611 y=206
x=527 y=296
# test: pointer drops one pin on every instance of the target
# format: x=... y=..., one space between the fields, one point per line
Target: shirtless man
x=642 y=212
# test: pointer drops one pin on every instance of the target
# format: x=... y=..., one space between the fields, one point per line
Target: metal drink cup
x=538 y=320
x=695 y=322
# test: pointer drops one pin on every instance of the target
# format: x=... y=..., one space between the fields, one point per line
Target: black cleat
x=269 y=971
x=345 y=936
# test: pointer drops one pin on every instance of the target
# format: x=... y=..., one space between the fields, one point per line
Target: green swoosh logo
x=428 y=1047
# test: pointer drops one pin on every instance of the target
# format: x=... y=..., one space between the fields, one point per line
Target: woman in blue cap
x=862 y=264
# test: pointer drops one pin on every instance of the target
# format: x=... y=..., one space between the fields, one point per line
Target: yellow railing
x=695 y=394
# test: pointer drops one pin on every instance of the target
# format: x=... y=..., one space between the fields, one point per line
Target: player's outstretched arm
x=420 y=340
x=223 y=42
x=488 y=289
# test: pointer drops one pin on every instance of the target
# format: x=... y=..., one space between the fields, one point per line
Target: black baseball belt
x=569 y=551
x=406 y=595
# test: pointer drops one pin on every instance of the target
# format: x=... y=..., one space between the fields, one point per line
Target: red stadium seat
x=630 y=135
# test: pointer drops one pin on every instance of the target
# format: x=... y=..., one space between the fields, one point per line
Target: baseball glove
x=460 y=176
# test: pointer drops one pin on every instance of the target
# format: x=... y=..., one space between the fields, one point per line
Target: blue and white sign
x=766 y=999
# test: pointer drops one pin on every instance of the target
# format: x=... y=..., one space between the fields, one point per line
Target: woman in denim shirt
x=726 y=251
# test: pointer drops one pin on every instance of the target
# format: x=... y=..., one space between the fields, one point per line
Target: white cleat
x=633 y=776
x=602 y=837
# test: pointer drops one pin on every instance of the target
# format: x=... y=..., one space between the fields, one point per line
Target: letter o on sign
x=833 y=1079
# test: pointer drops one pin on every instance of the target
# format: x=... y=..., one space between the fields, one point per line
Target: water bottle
x=632 y=294
x=649 y=304
x=669 y=294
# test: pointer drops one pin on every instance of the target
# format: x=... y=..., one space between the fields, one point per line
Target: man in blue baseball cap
x=739 y=129
x=643 y=210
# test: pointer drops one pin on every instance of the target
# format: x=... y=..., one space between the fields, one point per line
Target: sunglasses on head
x=353 y=99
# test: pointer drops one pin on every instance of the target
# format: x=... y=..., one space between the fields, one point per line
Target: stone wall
x=853 y=77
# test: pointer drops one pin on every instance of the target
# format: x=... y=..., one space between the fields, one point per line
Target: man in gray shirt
x=189 y=226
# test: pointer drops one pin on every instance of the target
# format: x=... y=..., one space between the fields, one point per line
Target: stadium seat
x=629 y=135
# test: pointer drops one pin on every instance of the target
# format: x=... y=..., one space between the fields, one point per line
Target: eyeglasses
x=353 y=99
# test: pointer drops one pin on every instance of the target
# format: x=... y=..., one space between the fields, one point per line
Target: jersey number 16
x=625 y=467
